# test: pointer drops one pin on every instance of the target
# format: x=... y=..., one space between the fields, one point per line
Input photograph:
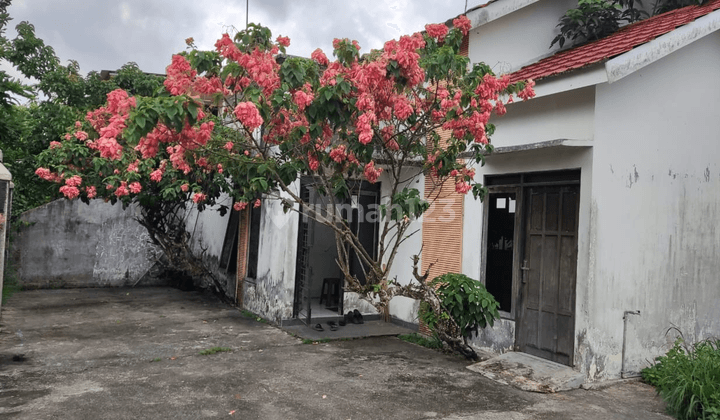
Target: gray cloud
x=105 y=35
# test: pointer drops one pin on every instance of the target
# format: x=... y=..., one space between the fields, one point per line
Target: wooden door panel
x=565 y=335
x=546 y=319
x=532 y=297
x=536 y=212
x=547 y=328
x=569 y=212
x=552 y=205
x=549 y=275
x=528 y=330
x=568 y=266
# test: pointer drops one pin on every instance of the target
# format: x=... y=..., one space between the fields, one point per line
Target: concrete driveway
x=135 y=353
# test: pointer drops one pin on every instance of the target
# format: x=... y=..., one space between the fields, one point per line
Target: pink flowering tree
x=373 y=117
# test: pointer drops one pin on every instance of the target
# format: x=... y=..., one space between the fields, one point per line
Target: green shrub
x=466 y=301
x=688 y=379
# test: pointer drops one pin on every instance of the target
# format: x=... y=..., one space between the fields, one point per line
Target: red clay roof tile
x=620 y=42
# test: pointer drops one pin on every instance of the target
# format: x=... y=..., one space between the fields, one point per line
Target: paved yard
x=134 y=353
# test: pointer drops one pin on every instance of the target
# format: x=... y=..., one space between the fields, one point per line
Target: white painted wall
x=403 y=308
x=567 y=115
x=272 y=293
x=207 y=229
x=520 y=38
x=655 y=206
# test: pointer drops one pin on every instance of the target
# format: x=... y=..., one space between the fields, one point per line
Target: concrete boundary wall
x=72 y=244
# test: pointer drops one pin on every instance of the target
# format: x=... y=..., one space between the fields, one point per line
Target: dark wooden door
x=546 y=321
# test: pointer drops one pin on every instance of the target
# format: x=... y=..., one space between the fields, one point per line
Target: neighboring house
x=599 y=231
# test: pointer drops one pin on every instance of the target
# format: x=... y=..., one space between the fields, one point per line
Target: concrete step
x=529 y=373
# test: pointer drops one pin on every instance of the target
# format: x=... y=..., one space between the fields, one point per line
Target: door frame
x=519 y=183
x=302 y=304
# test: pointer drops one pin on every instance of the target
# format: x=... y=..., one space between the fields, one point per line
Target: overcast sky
x=104 y=35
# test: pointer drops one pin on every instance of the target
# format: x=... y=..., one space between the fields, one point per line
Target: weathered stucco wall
x=207 y=229
x=655 y=210
x=271 y=294
x=71 y=244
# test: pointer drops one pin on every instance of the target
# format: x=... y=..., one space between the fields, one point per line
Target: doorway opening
x=530 y=264
x=318 y=279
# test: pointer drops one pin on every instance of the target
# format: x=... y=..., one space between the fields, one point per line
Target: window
x=254 y=242
x=500 y=247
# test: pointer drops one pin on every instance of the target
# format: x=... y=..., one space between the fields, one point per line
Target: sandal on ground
x=357 y=317
x=318 y=327
x=333 y=327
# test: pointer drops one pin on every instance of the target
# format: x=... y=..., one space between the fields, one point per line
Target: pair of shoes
x=333 y=325
x=357 y=317
x=318 y=327
x=354 y=317
x=342 y=322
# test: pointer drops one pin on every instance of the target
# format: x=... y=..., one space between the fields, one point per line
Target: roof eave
x=652 y=51
x=495 y=10
x=616 y=68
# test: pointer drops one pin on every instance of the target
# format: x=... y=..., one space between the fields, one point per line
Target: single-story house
x=599 y=232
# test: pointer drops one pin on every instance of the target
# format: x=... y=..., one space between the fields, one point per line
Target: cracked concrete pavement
x=134 y=353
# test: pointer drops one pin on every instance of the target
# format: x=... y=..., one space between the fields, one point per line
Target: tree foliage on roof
x=596 y=19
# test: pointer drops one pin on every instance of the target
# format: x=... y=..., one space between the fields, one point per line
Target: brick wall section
x=442 y=229
x=243 y=239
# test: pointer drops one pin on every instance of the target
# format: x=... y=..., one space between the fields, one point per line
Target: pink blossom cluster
x=462 y=23
x=48 y=175
x=199 y=197
x=283 y=40
x=177 y=158
x=319 y=56
x=437 y=31
x=371 y=172
x=180 y=75
x=528 y=92
x=70 y=189
x=462 y=186
x=338 y=154
x=303 y=98
x=109 y=122
x=248 y=114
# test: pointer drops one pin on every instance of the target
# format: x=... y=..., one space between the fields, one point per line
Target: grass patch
x=214 y=350
x=248 y=314
x=322 y=340
x=688 y=379
x=10 y=287
x=415 y=338
x=157 y=359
